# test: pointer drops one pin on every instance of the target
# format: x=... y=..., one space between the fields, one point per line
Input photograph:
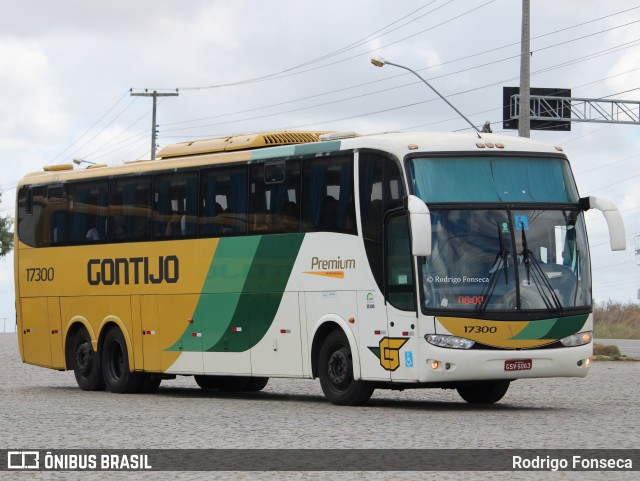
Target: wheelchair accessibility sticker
x=408 y=359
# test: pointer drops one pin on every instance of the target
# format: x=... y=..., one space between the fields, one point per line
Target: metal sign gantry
x=577 y=109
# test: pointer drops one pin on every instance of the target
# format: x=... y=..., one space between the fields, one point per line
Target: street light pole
x=380 y=62
x=524 y=110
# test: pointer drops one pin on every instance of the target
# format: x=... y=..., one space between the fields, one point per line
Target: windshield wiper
x=535 y=272
x=502 y=260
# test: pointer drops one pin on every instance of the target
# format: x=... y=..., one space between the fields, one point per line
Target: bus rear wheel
x=484 y=393
x=115 y=364
x=335 y=369
x=86 y=362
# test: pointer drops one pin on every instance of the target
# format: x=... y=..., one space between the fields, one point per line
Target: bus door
x=400 y=350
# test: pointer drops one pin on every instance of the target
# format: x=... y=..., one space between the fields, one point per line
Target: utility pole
x=524 y=122
x=155 y=94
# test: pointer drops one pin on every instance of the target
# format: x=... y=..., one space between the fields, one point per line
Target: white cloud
x=29 y=103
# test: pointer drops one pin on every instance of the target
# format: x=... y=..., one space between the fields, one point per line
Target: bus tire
x=115 y=364
x=484 y=393
x=86 y=362
x=256 y=384
x=207 y=382
x=335 y=369
x=240 y=383
x=232 y=383
x=150 y=383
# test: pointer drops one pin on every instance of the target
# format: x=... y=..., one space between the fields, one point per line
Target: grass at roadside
x=602 y=352
x=616 y=320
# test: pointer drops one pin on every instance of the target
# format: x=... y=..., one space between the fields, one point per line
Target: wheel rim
x=338 y=368
x=84 y=358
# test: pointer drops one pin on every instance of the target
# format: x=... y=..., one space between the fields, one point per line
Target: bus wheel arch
x=335 y=360
x=323 y=328
x=111 y=322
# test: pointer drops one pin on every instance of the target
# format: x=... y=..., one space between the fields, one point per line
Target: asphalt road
x=44 y=409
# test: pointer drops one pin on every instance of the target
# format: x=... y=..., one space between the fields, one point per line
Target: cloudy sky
x=249 y=65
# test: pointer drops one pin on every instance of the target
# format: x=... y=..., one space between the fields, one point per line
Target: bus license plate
x=518 y=365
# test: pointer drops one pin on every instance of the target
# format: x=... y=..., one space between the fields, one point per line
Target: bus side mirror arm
x=420 y=221
x=617 y=234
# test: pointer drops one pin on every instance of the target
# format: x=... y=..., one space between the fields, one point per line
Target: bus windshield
x=506 y=260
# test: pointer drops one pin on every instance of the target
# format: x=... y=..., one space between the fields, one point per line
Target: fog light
x=578 y=339
x=435 y=364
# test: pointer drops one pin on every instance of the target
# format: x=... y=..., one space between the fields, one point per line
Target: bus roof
x=262 y=146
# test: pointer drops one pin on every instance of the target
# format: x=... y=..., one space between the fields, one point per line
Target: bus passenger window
x=223 y=202
x=328 y=200
x=130 y=209
x=88 y=212
x=30 y=215
x=175 y=205
x=57 y=208
x=274 y=196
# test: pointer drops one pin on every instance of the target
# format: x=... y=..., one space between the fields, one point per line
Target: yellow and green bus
x=386 y=261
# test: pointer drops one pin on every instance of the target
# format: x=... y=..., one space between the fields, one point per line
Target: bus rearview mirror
x=617 y=234
x=420 y=220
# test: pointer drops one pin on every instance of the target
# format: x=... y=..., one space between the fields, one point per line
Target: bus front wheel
x=335 y=369
x=483 y=393
x=115 y=364
x=86 y=362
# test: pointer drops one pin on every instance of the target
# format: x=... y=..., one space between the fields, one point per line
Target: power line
x=486 y=64
x=87 y=131
x=564 y=64
x=289 y=72
x=277 y=75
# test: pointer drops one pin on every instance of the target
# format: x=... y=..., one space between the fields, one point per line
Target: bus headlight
x=451 y=342
x=577 y=339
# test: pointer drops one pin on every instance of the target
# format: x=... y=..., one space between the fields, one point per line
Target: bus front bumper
x=445 y=365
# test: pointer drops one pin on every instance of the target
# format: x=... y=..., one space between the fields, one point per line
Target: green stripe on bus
x=290 y=150
x=566 y=326
x=555 y=328
x=241 y=294
x=262 y=293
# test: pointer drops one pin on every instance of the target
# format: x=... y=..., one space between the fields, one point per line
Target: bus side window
x=28 y=215
x=87 y=218
x=274 y=197
x=175 y=205
x=223 y=201
x=57 y=208
x=328 y=200
x=381 y=188
x=130 y=209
